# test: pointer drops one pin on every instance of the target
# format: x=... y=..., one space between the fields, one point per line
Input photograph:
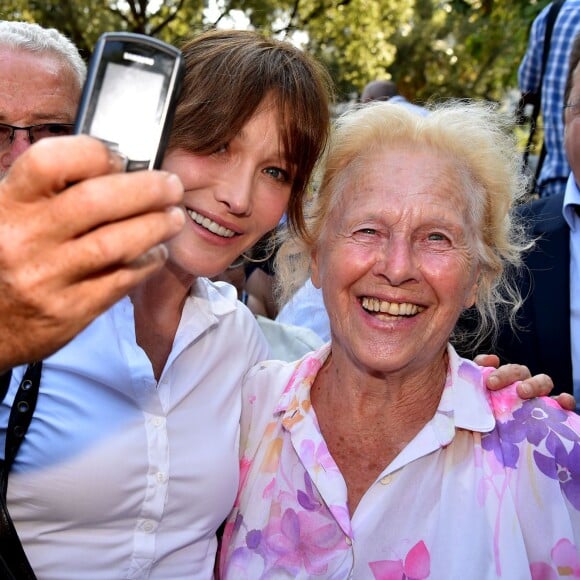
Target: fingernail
x=118 y=161
x=525 y=389
x=157 y=254
x=177 y=216
x=493 y=381
x=176 y=187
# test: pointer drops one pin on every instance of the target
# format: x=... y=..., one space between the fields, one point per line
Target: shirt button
x=161 y=477
x=386 y=480
x=348 y=541
x=158 y=421
x=148 y=526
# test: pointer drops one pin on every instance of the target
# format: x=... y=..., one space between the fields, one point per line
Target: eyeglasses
x=574 y=106
x=35 y=132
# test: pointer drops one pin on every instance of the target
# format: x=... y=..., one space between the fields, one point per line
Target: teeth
x=391 y=308
x=210 y=225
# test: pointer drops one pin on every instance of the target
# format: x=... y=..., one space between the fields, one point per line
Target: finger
x=50 y=165
x=91 y=203
x=120 y=243
x=487 y=360
x=506 y=375
x=72 y=309
x=536 y=386
x=93 y=296
x=566 y=401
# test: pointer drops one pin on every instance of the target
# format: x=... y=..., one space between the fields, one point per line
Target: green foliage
x=431 y=48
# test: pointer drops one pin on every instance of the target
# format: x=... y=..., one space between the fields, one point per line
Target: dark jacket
x=543 y=343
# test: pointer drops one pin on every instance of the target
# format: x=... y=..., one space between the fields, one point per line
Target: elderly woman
x=382 y=455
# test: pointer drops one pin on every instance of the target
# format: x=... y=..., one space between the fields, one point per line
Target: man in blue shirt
x=555 y=169
x=548 y=337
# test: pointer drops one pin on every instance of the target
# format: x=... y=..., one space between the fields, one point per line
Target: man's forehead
x=36 y=88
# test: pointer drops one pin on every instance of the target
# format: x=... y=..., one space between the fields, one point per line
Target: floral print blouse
x=489 y=488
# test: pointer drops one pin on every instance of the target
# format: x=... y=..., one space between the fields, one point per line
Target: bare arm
x=75 y=236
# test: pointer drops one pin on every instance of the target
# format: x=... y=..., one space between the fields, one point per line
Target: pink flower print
x=245 y=465
x=542 y=571
x=299 y=541
x=417 y=565
x=565 y=557
x=505 y=401
x=316 y=457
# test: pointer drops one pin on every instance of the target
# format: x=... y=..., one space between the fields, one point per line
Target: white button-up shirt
x=123 y=477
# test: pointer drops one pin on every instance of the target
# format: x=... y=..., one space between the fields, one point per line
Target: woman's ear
x=314 y=272
x=471 y=297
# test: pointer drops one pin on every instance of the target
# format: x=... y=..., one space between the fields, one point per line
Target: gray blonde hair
x=36 y=39
x=479 y=140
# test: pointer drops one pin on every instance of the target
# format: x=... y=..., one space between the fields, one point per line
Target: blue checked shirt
x=555 y=169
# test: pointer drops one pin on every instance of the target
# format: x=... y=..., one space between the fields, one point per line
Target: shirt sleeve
x=530 y=67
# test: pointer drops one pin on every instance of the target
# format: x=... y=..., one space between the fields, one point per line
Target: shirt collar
x=465 y=396
x=465 y=402
x=206 y=303
x=571 y=204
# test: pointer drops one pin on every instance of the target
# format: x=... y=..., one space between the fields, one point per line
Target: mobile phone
x=130 y=95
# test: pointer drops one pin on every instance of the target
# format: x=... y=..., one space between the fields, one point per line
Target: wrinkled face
x=34 y=89
x=396 y=261
x=232 y=197
x=572 y=127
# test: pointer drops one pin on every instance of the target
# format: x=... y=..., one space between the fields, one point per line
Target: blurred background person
x=41 y=79
x=542 y=76
x=547 y=335
x=383 y=90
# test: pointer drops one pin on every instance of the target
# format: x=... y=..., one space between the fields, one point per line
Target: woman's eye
x=278 y=174
x=367 y=231
x=221 y=149
x=437 y=237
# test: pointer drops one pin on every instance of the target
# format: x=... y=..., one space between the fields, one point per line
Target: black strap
x=5 y=383
x=537 y=101
x=13 y=561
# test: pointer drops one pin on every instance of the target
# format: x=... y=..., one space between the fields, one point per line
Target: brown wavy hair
x=228 y=74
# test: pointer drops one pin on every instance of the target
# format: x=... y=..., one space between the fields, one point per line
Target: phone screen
x=128 y=111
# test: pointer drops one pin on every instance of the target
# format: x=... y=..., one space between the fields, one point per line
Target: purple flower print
x=253 y=539
x=297 y=540
x=537 y=419
x=308 y=499
x=505 y=452
x=562 y=465
x=534 y=420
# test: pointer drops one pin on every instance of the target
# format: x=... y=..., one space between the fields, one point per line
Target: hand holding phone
x=130 y=95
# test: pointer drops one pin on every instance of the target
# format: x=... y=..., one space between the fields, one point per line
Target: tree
x=83 y=21
x=432 y=48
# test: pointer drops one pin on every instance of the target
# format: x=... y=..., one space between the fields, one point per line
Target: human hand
x=75 y=236
x=529 y=387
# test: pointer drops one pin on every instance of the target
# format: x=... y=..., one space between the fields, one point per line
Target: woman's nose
x=236 y=191
x=396 y=261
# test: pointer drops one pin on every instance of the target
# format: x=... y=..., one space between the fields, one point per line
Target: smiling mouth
x=374 y=305
x=210 y=225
